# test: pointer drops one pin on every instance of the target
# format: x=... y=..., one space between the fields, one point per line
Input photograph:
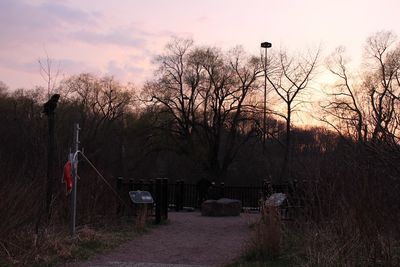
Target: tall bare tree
x=49 y=74
x=205 y=94
x=382 y=82
x=345 y=104
x=290 y=77
x=365 y=106
x=101 y=101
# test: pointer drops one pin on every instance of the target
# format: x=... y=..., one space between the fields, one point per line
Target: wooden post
x=151 y=187
x=222 y=190
x=165 y=198
x=131 y=183
x=158 y=198
x=176 y=194
x=50 y=165
x=119 y=191
x=265 y=189
x=141 y=184
x=48 y=110
x=181 y=194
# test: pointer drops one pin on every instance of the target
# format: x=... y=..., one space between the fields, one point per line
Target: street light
x=265 y=45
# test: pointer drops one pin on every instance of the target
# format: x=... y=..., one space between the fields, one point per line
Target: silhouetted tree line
x=200 y=117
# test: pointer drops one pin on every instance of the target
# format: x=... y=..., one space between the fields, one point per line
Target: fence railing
x=182 y=195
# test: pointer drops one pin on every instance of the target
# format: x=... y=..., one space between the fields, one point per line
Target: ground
x=188 y=239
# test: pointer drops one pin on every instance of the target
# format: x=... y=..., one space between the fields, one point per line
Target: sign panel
x=275 y=200
x=141 y=197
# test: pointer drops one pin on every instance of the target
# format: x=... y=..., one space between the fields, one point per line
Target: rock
x=221 y=207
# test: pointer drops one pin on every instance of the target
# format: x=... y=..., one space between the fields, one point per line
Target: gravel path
x=188 y=240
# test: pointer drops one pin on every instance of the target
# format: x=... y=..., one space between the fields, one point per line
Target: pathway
x=188 y=240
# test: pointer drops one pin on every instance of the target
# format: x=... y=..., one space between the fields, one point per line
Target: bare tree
x=366 y=106
x=102 y=100
x=49 y=74
x=345 y=105
x=204 y=92
x=382 y=82
x=290 y=76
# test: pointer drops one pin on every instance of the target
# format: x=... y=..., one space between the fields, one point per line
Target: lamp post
x=265 y=45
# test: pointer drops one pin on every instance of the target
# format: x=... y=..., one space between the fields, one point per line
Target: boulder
x=221 y=207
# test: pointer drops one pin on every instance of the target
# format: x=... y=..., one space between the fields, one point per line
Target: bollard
x=164 y=198
x=176 y=194
x=181 y=194
x=132 y=210
x=158 y=200
x=264 y=189
x=141 y=185
x=119 y=189
x=131 y=184
x=222 y=190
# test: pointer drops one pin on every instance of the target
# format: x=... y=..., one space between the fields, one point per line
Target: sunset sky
x=120 y=37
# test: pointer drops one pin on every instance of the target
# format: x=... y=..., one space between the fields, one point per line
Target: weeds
x=266 y=245
x=266 y=241
x=55 y=246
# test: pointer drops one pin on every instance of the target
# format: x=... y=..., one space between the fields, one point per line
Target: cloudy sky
x=121 y=37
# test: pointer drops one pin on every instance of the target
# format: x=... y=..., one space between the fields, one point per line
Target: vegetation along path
x=189 y=239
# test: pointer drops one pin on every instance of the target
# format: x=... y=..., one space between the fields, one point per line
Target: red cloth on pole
x=67 y=175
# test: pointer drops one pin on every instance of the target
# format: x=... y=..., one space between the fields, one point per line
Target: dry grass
x=55 y=246
x=267 y=237
x=329 y=245
x=141 y=219
x=340 y=240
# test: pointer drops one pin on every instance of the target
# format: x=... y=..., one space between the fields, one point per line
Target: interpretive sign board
x=275 y=200
x=141 y=197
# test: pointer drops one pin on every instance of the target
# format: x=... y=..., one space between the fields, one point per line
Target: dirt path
x=189 y=239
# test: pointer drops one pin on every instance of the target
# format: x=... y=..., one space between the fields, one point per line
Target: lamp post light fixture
x=265 y=45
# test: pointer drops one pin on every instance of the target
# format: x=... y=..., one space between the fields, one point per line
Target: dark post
x=132 y=210
x=119 y=191
x=264 y=189
x=181 y=194
x=48 y=110
x=131 y=182
x=165 y=199
x=176 y=194
x=222 y=190
x=141 y=185
x=152 y=191
x=151 y=187
x=158 y=198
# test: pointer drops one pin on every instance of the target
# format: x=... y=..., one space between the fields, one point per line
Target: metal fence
x=182 y=195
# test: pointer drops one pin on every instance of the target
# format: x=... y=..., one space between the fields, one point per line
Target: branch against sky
x=290 y=77
x=205 y=95
x=365 y=105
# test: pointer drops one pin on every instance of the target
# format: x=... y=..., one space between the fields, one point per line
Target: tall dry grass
x=266 y=240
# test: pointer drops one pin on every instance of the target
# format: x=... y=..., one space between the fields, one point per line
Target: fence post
x=181 y=194
x=151 y=187
x=158 y=198
x=164 y=198
x=141 y=183
x=222 y=190
x=119 y=191
x=176 y=195
x=265 y=189
x=131 y=182
x=131 y=188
